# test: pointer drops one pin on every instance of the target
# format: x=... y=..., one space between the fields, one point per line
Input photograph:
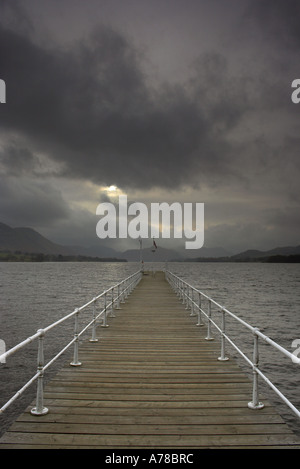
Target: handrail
x=122 y=289
x=186 y=293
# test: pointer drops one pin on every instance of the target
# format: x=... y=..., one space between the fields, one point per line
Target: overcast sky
x=167 y=100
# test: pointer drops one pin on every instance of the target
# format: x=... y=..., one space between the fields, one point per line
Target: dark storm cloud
x=84 y=104
x=15 y=160
x=90 y=108
x=30 y=202
x=277 y=20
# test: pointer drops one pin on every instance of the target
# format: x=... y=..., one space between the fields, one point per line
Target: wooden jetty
x=151 y=381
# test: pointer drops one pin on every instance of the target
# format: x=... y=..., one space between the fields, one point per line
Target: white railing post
x=186 y=297
x=192 y=304
x=209 y=337
x=94 y=337
x=223 y=357
x=39 y=409
x=104 y=324
x=123 y=292
x=199 y=323
x=179 y=288
x=255 y=404
x=182 y=291
x=112 y=315
x=75 y=361
x=118 y=298
x=176 y=285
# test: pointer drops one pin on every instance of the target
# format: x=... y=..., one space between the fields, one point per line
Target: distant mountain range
x=280 y=254
x=254 y=254
x=27 y=240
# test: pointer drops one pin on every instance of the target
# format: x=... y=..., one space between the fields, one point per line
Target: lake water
x=33 y=295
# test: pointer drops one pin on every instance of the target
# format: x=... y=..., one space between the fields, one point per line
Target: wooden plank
x=57 y=440
x=152 y=380
x=162 y=418
x=161 y=404
x=149 y=429
x=154 y=412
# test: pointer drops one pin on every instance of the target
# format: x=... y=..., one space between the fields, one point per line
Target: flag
x=154 y=244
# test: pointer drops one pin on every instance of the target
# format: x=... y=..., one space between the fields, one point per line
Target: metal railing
x=112 y=298
x=194 y=300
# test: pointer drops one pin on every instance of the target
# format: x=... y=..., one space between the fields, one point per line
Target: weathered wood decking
x=152 y=381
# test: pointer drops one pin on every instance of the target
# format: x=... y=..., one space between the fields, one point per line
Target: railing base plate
x=44 y=411
x=257 y=406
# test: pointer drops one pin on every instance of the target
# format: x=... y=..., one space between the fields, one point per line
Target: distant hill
x=280 y=254
x=28 y=240
x=256 y=254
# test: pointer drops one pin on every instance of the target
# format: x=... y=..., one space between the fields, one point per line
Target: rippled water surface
x=33 y=295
